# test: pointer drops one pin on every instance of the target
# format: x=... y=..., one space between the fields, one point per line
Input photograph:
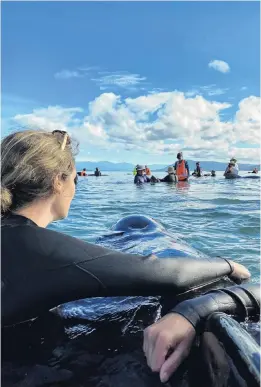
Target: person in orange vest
x=83 y=172
x=147 y=171
x=182 y=168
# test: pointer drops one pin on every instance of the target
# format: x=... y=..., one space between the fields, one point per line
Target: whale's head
x=136 y=223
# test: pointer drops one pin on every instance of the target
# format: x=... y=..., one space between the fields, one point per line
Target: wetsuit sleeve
x=54 y=268
x=175 y=165
x=242 y=301
x=136 y=179
x=165 y=179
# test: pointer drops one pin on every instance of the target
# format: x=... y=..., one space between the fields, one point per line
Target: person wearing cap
x=232 y=168
x=141 y=177
x=234 y=161
x=171 y=177
x=182 y=168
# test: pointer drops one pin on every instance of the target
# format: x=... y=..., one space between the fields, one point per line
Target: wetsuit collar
x=18 y=219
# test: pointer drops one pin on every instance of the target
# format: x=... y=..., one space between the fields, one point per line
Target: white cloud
x=219 y=65
x=120 y=79
x=243 y=88
x=248 y=121
x=50 y=118
x=159 y=123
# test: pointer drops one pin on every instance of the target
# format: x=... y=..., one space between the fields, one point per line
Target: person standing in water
x=97 y=172
x=198 y=171
x=83 y=172
x=171 y=177
x=182 y=168
x=141 y=176
x=232 y=169
x=234 y=162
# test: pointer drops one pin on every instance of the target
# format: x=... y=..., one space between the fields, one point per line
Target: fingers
x=156 y=347
x=159 y=352
x=174 y=361
x=149 y=339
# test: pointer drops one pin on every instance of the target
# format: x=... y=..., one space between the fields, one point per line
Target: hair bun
x=6 y=199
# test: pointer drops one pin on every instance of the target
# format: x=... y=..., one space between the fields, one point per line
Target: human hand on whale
x=168 y=342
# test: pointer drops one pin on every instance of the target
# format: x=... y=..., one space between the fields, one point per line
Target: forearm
x=127 y=274
x=108 y=273
x=242 y=301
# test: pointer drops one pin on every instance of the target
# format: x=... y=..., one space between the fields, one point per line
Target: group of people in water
x=83 y=172
x=180 y=172
x=45 y=268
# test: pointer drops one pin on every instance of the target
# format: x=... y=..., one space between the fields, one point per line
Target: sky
x=136 y=82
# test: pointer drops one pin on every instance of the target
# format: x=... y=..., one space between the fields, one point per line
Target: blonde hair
x=30 y=162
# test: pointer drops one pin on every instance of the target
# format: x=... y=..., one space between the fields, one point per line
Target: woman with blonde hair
x=42 y=268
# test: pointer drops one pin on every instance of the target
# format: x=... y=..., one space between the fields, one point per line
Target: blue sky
x=102 y=58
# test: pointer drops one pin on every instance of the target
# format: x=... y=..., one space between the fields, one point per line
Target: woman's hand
x=167 y=343
x=240 y=272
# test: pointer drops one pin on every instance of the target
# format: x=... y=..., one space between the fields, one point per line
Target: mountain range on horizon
x=128 y=167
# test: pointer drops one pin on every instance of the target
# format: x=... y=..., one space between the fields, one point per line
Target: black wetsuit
x=42 y=268
x=140 y=179
x=198 y=171
x=240 y=301
x=169 y=178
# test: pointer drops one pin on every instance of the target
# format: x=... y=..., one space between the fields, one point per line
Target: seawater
x=98 y=342
x=212 y=214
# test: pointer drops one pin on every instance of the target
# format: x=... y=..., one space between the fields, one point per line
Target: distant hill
x=107 y=166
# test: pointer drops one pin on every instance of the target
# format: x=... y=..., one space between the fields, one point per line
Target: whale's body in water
x=98 y=342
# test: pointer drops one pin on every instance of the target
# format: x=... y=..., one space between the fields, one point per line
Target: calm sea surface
x=212 y=214
x=98 y=342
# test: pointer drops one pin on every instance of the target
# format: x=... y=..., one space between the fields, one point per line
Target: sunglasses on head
x=65 y=135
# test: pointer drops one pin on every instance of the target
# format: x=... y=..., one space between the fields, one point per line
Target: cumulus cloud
x=248 y=121
x=159 y=123
x=219 y=65
x=50 y=118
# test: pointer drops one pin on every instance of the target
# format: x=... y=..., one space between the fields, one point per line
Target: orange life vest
x=83 y=173
x=181 y=170
x=148 y=172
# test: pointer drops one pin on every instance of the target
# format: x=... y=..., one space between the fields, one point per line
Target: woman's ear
x=57 y=184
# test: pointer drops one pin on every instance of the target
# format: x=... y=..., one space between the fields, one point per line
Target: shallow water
x=98 y=342
x=214 y=215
